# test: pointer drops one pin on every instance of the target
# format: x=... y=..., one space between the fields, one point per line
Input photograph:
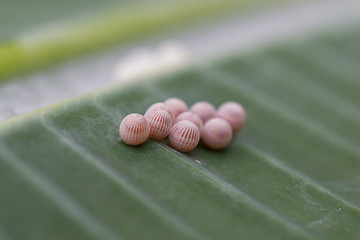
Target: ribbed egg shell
x=184 y=136
x=134 y=129
x=161 y=106
x=234 y=113
x=160 y=123
x=192 y=117
x=176 y=105
x=216 y=133
x=204 y=110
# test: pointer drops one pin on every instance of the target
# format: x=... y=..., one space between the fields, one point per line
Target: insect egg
x=161 y=106
x=176 y=105
x=160 y=123
x=184 y=136
x=192 y=117
x=134 y=129
x=204 y=110
x=216 y=133
x=234 y=113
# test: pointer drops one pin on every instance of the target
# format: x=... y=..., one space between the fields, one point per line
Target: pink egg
x=184 y=136
x=161 y=106
x=160 y=123
x=234 y=113
x=176 y=105
x=204 y=110
x=216 y=133
x=192 y=117
x=134 y=129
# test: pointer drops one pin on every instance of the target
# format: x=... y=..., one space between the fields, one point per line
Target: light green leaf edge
x=116 y=26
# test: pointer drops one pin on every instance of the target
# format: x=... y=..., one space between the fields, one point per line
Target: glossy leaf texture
x=292 y=173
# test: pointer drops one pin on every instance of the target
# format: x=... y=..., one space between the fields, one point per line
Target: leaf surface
x=291 y=174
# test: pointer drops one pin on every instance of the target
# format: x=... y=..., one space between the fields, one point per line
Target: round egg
x=192 y=117
x=184 y=136
x=160 y=123
x=176 y=105
x=161 y=106
x=216 y=133
x=233 y=113
x=134 y=129
x=204 y=110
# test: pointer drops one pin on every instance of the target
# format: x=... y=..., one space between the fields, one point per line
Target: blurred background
x=53 y=50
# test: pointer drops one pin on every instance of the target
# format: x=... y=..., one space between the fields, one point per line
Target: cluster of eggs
x=184 y=126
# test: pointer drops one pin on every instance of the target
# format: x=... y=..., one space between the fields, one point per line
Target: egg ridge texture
x=134 y=129
x=184 y=136
x=160 y=123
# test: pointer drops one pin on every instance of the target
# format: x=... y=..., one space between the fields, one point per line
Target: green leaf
x=293 y=173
